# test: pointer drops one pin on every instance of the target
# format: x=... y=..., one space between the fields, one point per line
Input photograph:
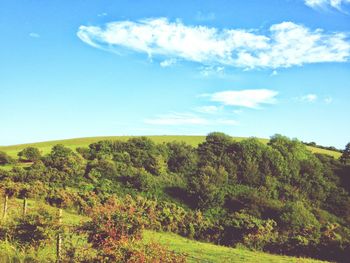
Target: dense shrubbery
x=115 y=231
x=277 y=197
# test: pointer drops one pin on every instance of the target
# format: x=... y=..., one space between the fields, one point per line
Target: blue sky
x=247 y=68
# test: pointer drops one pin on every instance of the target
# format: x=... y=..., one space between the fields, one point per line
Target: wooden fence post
x=59 y=237
x=24 y=206
x=4 y=215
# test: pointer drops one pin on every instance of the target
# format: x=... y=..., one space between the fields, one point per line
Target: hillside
x=194 y=251
x=45 y=147
x=206 y=252
x=277 y=197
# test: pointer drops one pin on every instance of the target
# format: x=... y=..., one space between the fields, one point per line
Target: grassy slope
x=195 y=251
x=206 y=252
x=45 y=147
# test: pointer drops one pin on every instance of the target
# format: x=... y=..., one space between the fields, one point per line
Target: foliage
x=278 y=197
x=345 y=157
x=115 y=230
x=35 y=229
x=30 y=154
x=5 y=159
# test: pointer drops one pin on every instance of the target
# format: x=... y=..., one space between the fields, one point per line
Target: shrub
x=35 y=228
x=30 y=154
x=5 y=159
x=116 y=230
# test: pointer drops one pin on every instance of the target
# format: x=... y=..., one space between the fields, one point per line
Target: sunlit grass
x=45 y=147
x=195 y=251
x=206 y=252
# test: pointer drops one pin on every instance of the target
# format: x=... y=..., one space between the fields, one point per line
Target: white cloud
x=208 y=109
x=245 y=98
x=177 y=119
x=167 y=62
x=34 y=35
x=274 y=73
x=309 y=98
x=316 y=4
x=286 y=44
x=102 y=14
x=212 y=70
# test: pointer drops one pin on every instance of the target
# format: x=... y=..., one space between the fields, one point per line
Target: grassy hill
x=194 y=251
x=45 y=147
x=205 y=252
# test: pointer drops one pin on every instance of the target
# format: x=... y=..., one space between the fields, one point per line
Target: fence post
x=5 y=207
x=59 y=237
x=24 y=206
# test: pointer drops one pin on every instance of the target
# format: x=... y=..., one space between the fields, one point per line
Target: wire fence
x=65 y=231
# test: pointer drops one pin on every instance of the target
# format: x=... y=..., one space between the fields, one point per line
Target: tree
x=5 y=158
x=182 y=158
x=345 y=157
x=214 y=152
x=64 y=160
x=30 y=154
x=207 y=186
x=297 y=217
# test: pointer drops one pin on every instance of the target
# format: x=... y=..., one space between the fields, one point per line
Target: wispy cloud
x=322 y=4
x=245 y=98
x=34 y=35
x=309 y=98
x=168 y=62
x=284 y=45
x=102 y=14
x=208 y=109
x=212 y=70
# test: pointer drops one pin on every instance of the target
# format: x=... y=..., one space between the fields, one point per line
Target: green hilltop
x=45 y=147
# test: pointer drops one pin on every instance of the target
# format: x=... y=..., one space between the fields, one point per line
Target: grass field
x=194 y=251
x=45 y=147
x=205 y=252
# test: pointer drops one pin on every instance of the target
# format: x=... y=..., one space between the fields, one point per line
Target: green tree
x=297 y=217
x=207 y=187
x=214 y=152
x=63 y=166
x=345 y=157
x=182 y=158
x=30 y=154
x=5 y=158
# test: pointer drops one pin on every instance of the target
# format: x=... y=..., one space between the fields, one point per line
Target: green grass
x=45 y=147
x=205 y=252
x=194 y=251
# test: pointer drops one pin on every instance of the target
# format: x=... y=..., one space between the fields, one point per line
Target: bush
x=5 y=159
x=29 y=154
x=116 y=230
x=34 y=229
